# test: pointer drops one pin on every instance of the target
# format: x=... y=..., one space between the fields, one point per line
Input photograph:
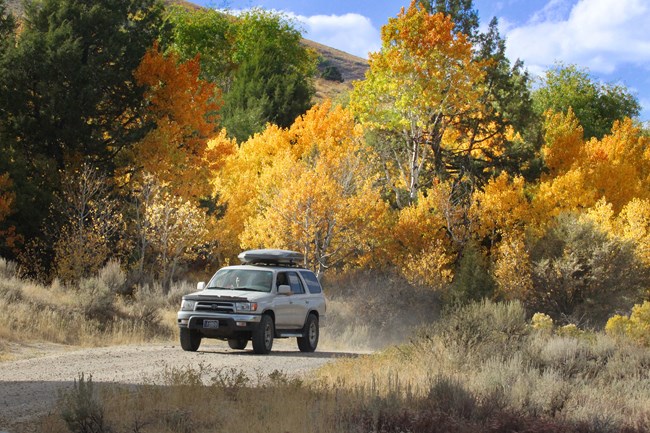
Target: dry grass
x=92 y=314
x=499 y=365
x=400 y=390
x=476 y=368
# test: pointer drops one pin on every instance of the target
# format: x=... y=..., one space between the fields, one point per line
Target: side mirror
x=284 y=289
x=200 y=286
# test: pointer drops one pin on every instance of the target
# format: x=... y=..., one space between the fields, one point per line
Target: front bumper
x=230 y=325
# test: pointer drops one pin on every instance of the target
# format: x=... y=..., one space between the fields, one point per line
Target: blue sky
x=607 y=37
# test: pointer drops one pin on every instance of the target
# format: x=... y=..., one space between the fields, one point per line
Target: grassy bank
x=365 y=310
x=92 y=313
x=481 y=368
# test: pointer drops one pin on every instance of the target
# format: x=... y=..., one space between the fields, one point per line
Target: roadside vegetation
x=482 y=367
x=92 y=314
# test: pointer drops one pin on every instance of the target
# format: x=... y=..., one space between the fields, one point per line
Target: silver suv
x=268 y=296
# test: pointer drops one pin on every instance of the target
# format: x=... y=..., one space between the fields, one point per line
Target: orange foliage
x=564 y=142
x=184 y=109
x=6 y=196
x=616 y=168
x=6 y=200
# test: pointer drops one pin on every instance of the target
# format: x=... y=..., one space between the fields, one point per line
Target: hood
x=229 y=295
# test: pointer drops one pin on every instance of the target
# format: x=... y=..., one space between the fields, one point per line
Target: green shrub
x=97 y=301
x=80 y=408
x=8 y=269
x=484 y=328
x=332 y=73
x=113 y=277
x=472 y=279
x=582 y=273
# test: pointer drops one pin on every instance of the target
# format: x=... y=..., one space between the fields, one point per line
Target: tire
x=263 y=336
x=309 y=340
x=237 y=344
x=190 y=340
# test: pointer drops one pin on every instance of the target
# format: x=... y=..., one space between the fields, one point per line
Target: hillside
x=351 y=67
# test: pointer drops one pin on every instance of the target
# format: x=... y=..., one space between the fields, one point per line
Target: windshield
x=242 y=279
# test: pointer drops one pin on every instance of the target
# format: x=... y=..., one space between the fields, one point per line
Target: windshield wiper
x=217 y=288
x=248 y=289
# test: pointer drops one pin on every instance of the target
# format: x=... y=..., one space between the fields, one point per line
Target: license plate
x=212 y=324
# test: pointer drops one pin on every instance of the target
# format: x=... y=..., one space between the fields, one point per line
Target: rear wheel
x=237 y=344
x=263 y=336
x=190 y=340
x=309 y=340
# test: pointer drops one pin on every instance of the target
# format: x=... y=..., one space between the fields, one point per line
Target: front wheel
x=263 y=336
x=309 y=340
x=190 y=340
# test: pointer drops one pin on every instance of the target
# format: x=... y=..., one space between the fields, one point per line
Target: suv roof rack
x=271 y=257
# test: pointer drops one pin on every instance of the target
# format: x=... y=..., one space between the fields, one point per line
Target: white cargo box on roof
x=271 y=257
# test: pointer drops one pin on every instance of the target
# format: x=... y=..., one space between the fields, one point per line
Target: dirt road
x=30 y=387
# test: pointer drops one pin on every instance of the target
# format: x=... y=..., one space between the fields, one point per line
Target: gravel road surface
x=30 y=387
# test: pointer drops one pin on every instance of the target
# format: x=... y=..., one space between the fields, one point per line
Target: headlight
x=245 y=307
x=187 y=305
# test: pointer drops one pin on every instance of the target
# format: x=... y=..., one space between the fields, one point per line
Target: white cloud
x=352 y=33
x=602 y=35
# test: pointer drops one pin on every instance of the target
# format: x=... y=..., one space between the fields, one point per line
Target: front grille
x=215 y=307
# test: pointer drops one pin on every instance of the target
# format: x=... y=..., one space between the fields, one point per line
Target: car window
x=312 y=282
x=281 y=280
x=295 y=283
x=242 y=279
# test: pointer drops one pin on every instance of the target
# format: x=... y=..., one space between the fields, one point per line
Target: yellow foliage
x=569 y=330
x=565 y=193
x=308 y=188
x=238 y=183
x=501 y=207
x=636 y=327
x=542 y=322
x=423 y=249
x=617 y=325
x=563 y=142
x=601 y=215
x=432 y=266
x=633 y=224
x=615 y=168
x=419 y=225
x=513 y=269
x=312 y=134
